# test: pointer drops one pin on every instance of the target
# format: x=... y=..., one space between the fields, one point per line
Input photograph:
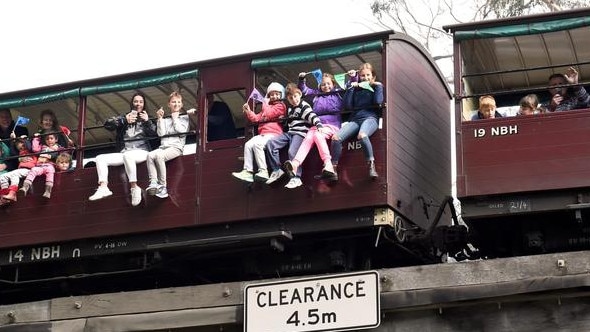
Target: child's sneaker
x=244 y=175
x=100 y=193
x=162 y=192
x=328 y=175
x=152 y=189
x=24 y=189
x=288 y=166
x=47 y=193
x=261 y=175
x=275 y=175
x=294 y=183
x=135 y=196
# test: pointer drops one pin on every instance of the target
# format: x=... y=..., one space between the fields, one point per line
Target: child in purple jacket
x=327 y=104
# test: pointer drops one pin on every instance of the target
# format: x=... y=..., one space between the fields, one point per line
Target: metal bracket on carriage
x=577 y=207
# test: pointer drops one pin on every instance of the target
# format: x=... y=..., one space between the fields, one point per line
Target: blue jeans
x=274 y=146
x=368 y=126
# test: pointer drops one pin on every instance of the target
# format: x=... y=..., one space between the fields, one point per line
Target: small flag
x=317 y=73
x=21 y=121
x=256 y=95
x=340 y=79
x=65 y=130
x=366 y=85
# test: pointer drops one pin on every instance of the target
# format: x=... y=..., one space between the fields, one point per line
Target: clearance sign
x=339 y=302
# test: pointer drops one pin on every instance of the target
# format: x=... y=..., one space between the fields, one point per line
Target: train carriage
x=214 y=227
x=522 y=180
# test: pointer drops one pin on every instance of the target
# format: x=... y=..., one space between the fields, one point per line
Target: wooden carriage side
x=69 y=215
x=419 y=132
x=522 y=179
x=214 y=227
x=411 y=147
x=508 y=59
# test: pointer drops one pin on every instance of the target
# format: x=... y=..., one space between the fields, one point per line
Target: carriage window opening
x=338 y=66
x=225 y=119
x=100 y=107
x=60 y=116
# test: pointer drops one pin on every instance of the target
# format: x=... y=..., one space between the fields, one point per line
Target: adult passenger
x=563 y=98
x=48 y=123
x=134 y=131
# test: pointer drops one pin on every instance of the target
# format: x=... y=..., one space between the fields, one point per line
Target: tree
x=510 y=8
x=423 y=19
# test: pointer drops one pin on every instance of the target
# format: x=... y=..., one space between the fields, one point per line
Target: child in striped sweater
x=300 y=117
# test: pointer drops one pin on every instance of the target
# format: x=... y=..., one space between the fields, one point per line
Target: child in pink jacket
x=272 y=110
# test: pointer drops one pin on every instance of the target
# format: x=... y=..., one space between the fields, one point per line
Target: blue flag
x=21 y=121
x=317 y=73
x=256 y=95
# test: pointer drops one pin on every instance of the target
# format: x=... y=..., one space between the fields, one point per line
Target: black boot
x=372 y=172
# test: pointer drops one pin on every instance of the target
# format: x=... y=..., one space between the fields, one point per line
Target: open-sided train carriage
x=523 y=181
x=214 y=227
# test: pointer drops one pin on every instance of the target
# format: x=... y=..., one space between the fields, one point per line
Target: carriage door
x=225 y=89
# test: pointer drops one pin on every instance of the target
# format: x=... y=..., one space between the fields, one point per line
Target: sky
x=52 y=42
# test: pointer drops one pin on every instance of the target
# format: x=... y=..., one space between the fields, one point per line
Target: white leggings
x=13 y=177
x=128 y=158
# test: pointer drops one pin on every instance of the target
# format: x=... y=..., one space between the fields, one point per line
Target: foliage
x=424 y=19
x=416 y=18
x=510 y=8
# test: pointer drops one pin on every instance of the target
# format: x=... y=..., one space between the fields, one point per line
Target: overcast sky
x=50 y=42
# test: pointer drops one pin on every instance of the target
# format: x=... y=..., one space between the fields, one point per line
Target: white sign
x=329 y=303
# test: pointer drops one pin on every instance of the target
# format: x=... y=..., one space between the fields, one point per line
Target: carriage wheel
x=399 y=229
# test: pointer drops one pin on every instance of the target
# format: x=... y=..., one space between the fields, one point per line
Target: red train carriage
x=522 y=180
x=213 y=227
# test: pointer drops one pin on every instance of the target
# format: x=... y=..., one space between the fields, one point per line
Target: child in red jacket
x=9 y=181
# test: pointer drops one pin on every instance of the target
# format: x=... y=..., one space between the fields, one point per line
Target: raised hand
x=571 y=75
x=131 y=117
x=160 y=113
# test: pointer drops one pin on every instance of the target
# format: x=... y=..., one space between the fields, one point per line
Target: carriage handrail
x=99 y=145
x=524 y=69
x=523 y=90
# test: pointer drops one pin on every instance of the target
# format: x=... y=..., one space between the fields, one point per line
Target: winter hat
x=274 y=86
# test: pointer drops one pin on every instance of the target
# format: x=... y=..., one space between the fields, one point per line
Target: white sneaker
x=152 y=189
x=244 y=175
x=135 y=196
x=275 y=175
x=294 y=183
x=261 y=175
x=162 y=192
x=100 y=193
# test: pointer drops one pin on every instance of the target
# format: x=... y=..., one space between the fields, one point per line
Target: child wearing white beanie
x=272 y=110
